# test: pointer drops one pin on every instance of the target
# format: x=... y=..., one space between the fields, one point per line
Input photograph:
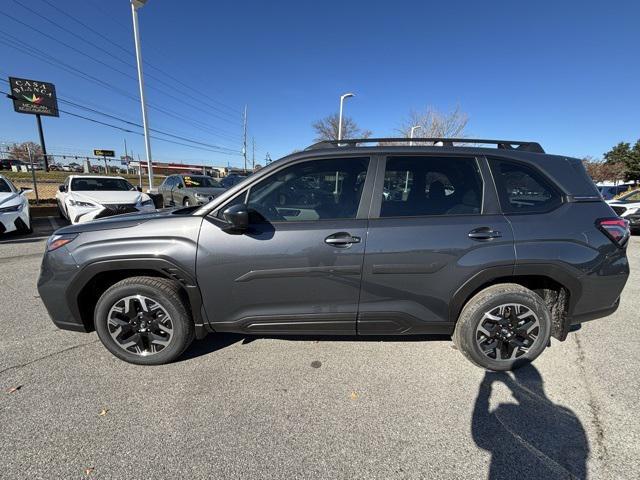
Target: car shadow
x=532 y=438
x=214 y=342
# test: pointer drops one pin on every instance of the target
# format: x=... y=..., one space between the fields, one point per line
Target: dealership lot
x=249 y=407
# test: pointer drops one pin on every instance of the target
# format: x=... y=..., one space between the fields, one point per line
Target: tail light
x=617 y=229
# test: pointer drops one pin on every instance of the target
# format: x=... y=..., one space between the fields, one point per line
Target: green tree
x=633 y=163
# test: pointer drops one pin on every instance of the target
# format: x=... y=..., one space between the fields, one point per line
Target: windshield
x=4 y=187
x=100 y=185
x=631 y=196
x=200 y=182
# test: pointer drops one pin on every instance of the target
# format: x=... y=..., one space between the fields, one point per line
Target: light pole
x=342 y=97
x=413 y=129
x=135 y=5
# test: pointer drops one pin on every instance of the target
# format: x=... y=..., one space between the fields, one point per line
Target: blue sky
x=563 y=73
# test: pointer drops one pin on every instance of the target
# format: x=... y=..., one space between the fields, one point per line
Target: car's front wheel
x=144 y=320
x=503 y=327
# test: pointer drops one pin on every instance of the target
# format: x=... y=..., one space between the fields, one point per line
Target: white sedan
x=83 y=198
x=628 y=206
x=14 y=208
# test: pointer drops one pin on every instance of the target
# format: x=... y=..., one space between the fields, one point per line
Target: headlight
x=78 y=203
x=200 y=195
x=147 y=203
x=12 y=208
x=56 y=241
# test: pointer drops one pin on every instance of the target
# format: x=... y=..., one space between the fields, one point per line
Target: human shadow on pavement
x=533 y=438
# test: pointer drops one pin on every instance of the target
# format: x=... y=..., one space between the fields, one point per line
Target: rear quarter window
x=523 y=189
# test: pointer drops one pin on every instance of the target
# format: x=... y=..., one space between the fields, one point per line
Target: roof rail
x=436 y=141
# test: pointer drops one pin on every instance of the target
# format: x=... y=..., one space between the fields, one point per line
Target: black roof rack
x=446 y=142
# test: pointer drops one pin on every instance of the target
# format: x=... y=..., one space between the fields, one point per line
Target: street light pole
x=135 y=5
x=413 y=129
x=342 y=97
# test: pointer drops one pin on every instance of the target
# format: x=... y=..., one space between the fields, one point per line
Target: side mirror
x=62 y=188
x=139 y=188
x=25 y=191
x=238 y=217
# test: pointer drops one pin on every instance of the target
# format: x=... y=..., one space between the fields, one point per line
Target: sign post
x=104 y=154
x=36 y=98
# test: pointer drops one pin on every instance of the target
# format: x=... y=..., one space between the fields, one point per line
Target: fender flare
x=559 y=274
x=165 y=267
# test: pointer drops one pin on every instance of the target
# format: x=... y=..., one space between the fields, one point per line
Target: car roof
x=96 y=176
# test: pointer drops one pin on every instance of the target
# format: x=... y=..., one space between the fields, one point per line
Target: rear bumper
x=585 y=317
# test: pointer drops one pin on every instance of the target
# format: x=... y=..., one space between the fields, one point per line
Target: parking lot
x=255 y=407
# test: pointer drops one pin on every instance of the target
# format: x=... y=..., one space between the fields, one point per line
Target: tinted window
x=100 y=184
x=4 y=186
x=200 y=181
x=631 y=197
x=420 y=186
x=522 y=189
x=314 y=190
x=168 y=182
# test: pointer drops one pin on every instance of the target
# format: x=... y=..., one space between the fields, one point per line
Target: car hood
x=9 y=198
x=121 y=221
x=110 y=197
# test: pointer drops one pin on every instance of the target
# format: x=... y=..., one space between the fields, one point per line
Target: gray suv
x=502 y=248
x=189 y=190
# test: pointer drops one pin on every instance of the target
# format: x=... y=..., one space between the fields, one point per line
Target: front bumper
x=56 y=272
x=8 y=220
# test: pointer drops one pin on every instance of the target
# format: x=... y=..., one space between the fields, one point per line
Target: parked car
x=14 y=208
x=628 y=207
x=502 y=248
x=609 y=192
x=231 y=180
x=89 y=197
x=189 y=190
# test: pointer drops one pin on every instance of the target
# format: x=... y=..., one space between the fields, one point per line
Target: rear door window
x=522 y=189
x=425 y=186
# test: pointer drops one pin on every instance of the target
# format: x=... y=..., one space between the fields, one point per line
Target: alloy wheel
x=507 y=332
x=140 y=325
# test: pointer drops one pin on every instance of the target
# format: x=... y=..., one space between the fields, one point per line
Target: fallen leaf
x=354 y=395
x=14 y=389
x=103 y=412
x=89 y=471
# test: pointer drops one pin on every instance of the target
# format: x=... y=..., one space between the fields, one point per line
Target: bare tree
x=436 y=124
x=18 y=151
x=327 y=128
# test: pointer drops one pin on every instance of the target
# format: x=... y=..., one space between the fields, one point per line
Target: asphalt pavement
x=251 y=407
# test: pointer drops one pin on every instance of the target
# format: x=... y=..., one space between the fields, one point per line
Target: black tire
x=22 y=228
x=60 y=212
x=160 y=290
x=466 y=332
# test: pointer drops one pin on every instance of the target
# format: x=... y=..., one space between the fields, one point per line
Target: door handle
x=484 y=233
x=341 y=239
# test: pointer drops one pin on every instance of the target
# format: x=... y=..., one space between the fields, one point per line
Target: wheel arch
x=94 y=279
x=557 y=287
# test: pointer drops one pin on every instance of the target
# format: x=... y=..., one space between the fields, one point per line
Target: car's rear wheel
x=186 y=202
x=503 y=327
x=144 y=320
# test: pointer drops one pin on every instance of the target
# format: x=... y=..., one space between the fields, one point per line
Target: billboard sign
x=34 y=97
x=104 y=153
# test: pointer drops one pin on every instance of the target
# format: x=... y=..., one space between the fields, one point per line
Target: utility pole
x=244 y=138
x=126 y=155
x=253 y=153
x=135 y=4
